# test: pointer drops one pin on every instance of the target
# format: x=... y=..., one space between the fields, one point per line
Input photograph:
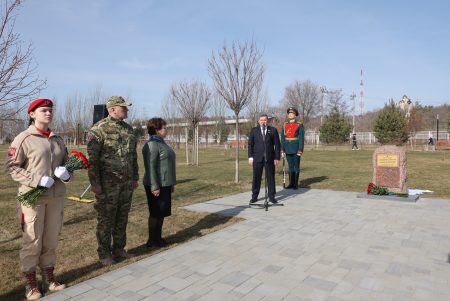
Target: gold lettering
x=388 y=160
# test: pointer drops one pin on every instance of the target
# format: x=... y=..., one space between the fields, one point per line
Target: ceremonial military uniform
x=292 y=142
x=112 y=155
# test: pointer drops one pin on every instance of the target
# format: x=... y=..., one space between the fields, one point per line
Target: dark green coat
x=159 y=162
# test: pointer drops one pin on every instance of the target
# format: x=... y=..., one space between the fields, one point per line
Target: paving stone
x=320 y=284
x=354 y=264
x=77 y=290
x=321 y=245
x=235 y=279
x=272 y=269
x=130 y=296
x=295 y=298
x=174 y=283
x=57 y=297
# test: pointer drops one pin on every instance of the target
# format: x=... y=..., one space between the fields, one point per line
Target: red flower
x=370 y=187
x=82 y=157
x=76 y=161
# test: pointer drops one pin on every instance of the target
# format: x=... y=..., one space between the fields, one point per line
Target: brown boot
x=50 y=281
x=31 y=289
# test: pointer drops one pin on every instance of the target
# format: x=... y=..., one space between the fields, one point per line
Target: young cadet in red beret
x=292 y=142
x=34 y=156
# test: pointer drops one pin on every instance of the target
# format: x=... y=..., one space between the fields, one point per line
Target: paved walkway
x=321 y=245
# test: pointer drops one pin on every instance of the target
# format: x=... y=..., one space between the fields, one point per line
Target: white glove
x=62 y=173
x=46 y=182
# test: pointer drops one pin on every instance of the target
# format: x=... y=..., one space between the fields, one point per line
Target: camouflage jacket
x=112 y=152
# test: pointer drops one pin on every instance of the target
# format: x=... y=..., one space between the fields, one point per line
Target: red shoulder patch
x=11 y=151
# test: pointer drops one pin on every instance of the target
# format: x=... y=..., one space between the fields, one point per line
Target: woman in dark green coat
x=159 y=179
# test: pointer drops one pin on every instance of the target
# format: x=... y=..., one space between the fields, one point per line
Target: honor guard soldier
x=292 y=142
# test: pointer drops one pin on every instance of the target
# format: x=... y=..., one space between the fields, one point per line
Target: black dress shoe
x=273 y=201
x=253 y=201
x=162 y=242
x=152 y=244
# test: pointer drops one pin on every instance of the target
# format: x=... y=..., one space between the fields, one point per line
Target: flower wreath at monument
x=380 y=190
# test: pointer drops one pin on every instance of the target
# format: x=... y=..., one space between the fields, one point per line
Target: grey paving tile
x=320 y=284
x=130 y=296
x=322 y=245
x=354 y=264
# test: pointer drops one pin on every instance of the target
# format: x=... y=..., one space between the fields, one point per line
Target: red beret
x=41 y=102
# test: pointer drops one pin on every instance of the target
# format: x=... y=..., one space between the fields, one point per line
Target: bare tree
x=192 y=100
x=74 y=117
x=305 y=96
x=259 y=104
x=171 y=115
x=335 y=100
x=18 y=79
x=218 y=109
x=237 y=72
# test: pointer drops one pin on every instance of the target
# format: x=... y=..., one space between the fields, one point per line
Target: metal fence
x=313 y=137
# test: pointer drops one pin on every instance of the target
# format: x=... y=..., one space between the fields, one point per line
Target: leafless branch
x=305 y=96
x=18 y=71
x=237 y=73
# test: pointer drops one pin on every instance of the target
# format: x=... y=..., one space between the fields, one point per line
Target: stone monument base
x=409 y=198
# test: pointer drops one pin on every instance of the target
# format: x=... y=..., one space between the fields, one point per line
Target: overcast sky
x=138 y=48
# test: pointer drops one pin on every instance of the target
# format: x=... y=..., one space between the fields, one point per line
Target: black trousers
x=159 y=206
x=258 y=168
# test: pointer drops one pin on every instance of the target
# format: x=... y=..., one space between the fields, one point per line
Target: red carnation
x=76 y=161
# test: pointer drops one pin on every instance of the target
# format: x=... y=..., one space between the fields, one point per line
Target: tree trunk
x=186 y=140
x=236 y=179
x=196 y=143
x=193 y=144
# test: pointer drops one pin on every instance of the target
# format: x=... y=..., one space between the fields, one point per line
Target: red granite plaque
x=389 y=168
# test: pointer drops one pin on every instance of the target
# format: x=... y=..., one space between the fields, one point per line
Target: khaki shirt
x=32 y=156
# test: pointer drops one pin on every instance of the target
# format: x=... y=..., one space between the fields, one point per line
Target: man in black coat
x=263 y=152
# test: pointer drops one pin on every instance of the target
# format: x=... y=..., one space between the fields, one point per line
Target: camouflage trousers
x=113 y=206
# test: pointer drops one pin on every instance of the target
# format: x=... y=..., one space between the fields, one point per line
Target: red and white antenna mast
x=361 y=94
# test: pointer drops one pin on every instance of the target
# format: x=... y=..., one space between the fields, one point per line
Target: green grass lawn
x=333 y=168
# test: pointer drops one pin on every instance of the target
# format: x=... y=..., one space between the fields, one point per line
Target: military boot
x=291 y=180
x=49 y=279
x=31 y=288
x=296 y=176
x=122 y=254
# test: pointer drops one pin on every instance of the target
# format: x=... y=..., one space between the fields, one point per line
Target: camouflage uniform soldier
x=113 y=175
x=292 y=142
